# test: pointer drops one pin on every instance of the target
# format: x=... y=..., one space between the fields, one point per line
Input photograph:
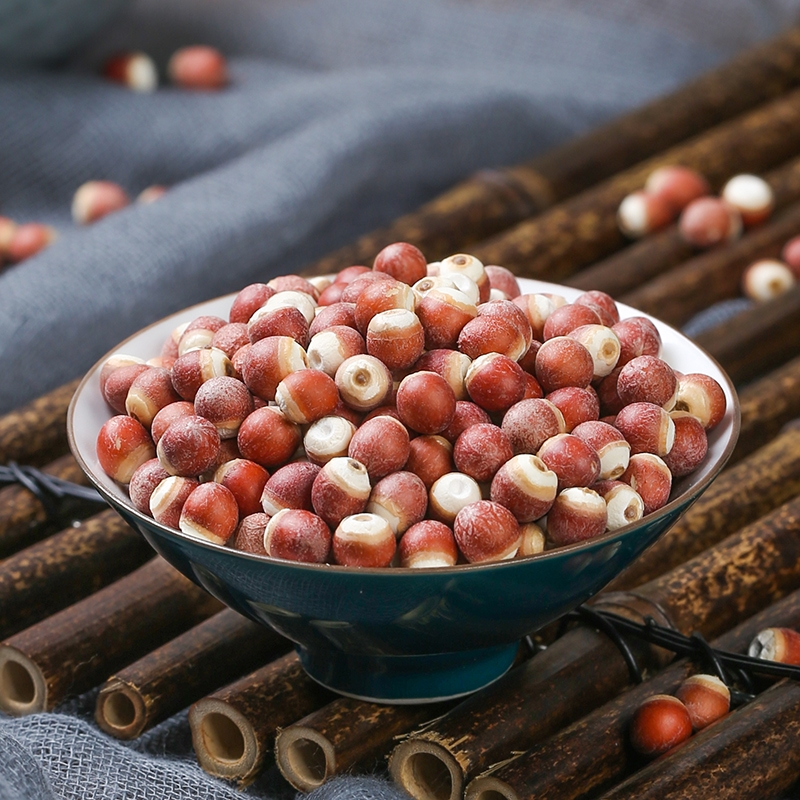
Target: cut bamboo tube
x=593 y=753
x=494 y=200
x=584 y=229
x=654 y=255
x=740 y=495
x=748 y=755
x=583 y=669
x=36 y=433
x=766 y=406
x=210 y=655
x=344 y=735
x=233 y=729
x=712 y=276
x=77 y=648
x=757 y=339
x=50 y=575
x=23 y=518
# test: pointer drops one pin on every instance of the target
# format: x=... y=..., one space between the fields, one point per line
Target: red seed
x=198 y=67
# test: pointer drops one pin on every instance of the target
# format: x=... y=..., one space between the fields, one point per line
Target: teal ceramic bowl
x=402 y=635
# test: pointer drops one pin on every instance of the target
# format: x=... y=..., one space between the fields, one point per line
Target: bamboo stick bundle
x=654 y=255
x=36 y=433
x=713 y=276
x=740 y=495
x=593 y=753
x=75 y=649
x=750 y=754
x=325 y=744
x=344 y=735
x=171 y=677
x=757 y=339
x=234 y=729
x=493 y=200
x=584 y=229
x=24 y=518
x=583 y=669
x=766 y=405
x=66 y=567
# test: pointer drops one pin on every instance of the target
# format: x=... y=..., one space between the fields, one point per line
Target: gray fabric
x=342 y=115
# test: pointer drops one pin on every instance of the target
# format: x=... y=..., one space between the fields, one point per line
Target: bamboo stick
x=757 y=339
x=593 y=753
x=23 y=517
x=50 y=575
x=712 y=276
x=740 y=495
x=344 y=735
x=766 y=405
x=78 y=647
x=750 y=754
x=654 y=255
x=582 y=669
x=36 y=433
x=584 y=228
x=494 y=200
x=171 y=677
x=234 y=729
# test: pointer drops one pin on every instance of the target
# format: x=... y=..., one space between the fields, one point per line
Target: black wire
x=724 y=663
x=600 y=621
x=48 y=489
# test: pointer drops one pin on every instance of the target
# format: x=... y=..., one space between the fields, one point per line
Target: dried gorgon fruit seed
x=660 y=723
x=706 y=698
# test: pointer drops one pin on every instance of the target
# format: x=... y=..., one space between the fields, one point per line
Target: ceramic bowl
x=402 y=635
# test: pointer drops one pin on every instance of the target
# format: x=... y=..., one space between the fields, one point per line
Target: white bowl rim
x=721 y=441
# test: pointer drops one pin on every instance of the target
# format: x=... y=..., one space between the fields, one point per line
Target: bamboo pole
x=757 y=339
x=766 y=405
x=50 y=575
x=593 y=753
x=78 y=647
x=23 y=517
x=36 y=432
x=713 y=276
x=584 y=229
x=344 y=735
x=583 y=669
x=654 y=255
x=171 y=677
x=493 y=200
x=234 y=729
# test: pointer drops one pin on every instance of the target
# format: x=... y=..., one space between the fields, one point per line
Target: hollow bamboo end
x=23 y=689
x=224 y=741
x=426 y=770
x=305 y=757
x=489 y=789
x=120 y=711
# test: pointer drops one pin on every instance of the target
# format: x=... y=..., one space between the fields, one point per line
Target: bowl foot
x=408 y=679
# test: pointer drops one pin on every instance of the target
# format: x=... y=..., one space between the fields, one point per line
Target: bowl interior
x=357 y=629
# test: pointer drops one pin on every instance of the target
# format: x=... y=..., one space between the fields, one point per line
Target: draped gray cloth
x=341 y=115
